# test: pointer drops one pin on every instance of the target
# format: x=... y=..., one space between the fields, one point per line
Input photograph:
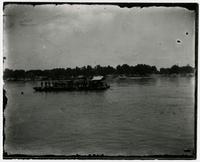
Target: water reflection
x=148 y=81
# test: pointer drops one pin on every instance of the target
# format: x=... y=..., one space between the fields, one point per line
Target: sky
x=61 y=36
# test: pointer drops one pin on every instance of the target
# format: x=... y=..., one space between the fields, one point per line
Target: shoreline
x=110 y=76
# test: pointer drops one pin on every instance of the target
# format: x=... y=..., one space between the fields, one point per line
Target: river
x=136 y=116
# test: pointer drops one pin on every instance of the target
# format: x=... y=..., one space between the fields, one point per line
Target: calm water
x=142 y=116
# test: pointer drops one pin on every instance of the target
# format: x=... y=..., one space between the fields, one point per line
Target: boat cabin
x=97 y=81
x=80 y=83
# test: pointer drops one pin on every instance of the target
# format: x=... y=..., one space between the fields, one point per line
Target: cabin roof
x=81 y=77
x=97 y=78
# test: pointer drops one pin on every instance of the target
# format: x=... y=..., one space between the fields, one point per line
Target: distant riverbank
x=121 y=71
x=110 y=76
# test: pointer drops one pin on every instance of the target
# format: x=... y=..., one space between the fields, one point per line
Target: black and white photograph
x=99 y=80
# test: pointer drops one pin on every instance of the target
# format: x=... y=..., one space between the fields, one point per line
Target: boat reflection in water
x=80 y=83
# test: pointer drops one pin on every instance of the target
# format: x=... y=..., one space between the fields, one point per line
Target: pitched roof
x=97 y=78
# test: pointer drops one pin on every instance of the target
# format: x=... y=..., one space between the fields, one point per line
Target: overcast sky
x=50 y=36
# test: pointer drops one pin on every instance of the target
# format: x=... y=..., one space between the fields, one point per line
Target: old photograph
x=99 y=80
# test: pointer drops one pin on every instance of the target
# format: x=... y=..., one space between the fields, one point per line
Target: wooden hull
x=56 y=89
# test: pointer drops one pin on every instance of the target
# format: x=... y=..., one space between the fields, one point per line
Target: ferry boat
x=81 y=83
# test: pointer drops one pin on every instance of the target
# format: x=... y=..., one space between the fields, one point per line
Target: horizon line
x=96 y=66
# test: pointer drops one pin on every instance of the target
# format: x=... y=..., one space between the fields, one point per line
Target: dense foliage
x=175 y=69
x=63 y=73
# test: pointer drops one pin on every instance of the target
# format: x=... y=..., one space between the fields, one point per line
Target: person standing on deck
x=45 y=84
x=41 y=84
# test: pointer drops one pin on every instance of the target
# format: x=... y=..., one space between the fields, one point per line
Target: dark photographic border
x=189 y=6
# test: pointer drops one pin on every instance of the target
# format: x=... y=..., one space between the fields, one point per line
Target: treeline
x=175 y=69
x=64 y=73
